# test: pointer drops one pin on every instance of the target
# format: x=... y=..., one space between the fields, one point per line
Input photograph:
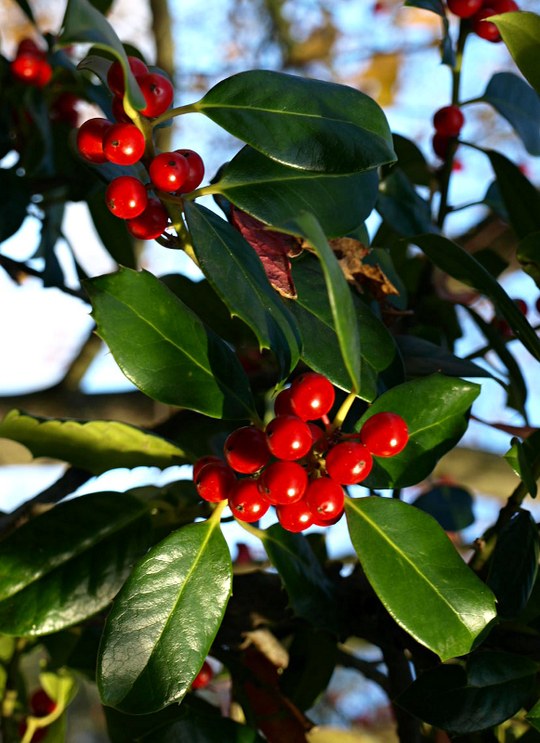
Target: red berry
x=282 y=403
x=151 y=223
x=168 y=171
x=312 y=396
x=448 y=121
x=64 y=109
x=503 y=6
x=325 y=498
x=126 y=197
x=158 y=93
x=118 y=110
x=441 y=145
x=28 y=45
x=319 y=521
x=214 y=482
x=522 y=306
x=295 y=517
x=246 y=450
x=124 y=144
x=90 y=139
x=288 y=437
x=464 y=8
x=247 y=502
x=349 y=463
x=202 y=461
x=115 y=76
x=195 y=170
x=203 y=678
x=31 y=68
x=537 y=305
x=485 y=29
x=283 y=482
x=41 y=704
x=385 y=434
x=317 y=434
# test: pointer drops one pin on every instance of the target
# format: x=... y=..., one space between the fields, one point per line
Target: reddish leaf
x=273 y=248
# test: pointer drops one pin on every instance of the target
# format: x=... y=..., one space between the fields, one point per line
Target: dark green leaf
x=533 y=716
x=520 y=197
x=524 y=458
x=402 y=207
x=422 y=357
x=235 y=272
x=13 y=203
x=494 y=200
x=450 y=506
x=451 y=258
x=528 y=254
x=309 y=124
x=493 y=688
x=514 y=564
x=405 y=553
x=435 y=6
x=311 y=593
x=112 y=232
x=521 y=34
x=341 y=302
x=275 y=193
x=196 y=727
x=163 y=347
x=313 y=655
x=83 y=23
x=411 y=161
x=68 y=563
x=510 y=95
x=320 y=343
x=435 y=409
x=164 y=620
x=96 y=446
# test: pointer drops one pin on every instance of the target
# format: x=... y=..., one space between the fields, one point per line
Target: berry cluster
x=30 y=65
x=476 y=11
x=40 y=705
x=295 y=465
x=123 y=143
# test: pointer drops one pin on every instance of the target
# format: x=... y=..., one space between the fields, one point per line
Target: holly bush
x=312 y=359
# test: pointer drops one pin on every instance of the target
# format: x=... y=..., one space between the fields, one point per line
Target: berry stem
x=215 y=518
x=172 y=112
x=259 y=533
x=342 y=412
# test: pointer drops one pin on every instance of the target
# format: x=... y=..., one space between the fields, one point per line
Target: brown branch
x=14 y=269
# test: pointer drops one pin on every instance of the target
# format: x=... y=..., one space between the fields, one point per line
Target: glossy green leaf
x=96 y=446
x=236 y=273
x=164 y=620
x=412 y=161
x=163 y=347
x=112 y=232
x=340 y=298
x=68 y=563
x=83 y=23
x=275 y=193
x=313 y=655
x=309 y=124
x=514 y=99
x=492 y=689
x=528 y=254
x=320 y=344
x=435 y=409
x=521 y=34
x=514 y=564
x=451 y=258
x=13 y=204
x=421 y=357
x=405 y=553
x=520 y=197
x=402 y=207
x=450 y=506
x=524 y=458
x=310 y=592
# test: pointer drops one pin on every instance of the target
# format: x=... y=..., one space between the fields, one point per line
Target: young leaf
x=521 y=34
x=235 y=272
x=514 y=564
x=83 y=23
x=339 y=294
x=492 y=689
x=435 y=409
x=451 y=258
x=76 y=557
x=310 y=592
x=275 y=193
x=164 y=620
x=96 y=446
x=404 y=553
x=519 y=104
x=163 y=347
x=309 y=124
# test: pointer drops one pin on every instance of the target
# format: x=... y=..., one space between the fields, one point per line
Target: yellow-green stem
x=172 y=112
x=259 y=533
x=215 y=518
x=343 y=411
